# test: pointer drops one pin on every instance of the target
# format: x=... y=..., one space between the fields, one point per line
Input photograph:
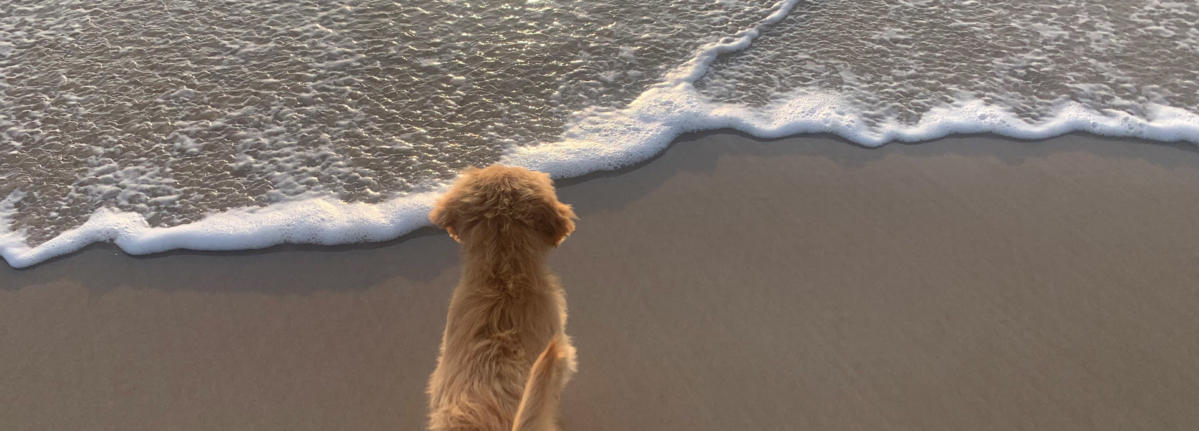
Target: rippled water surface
x=176 y=110
x=897 y=59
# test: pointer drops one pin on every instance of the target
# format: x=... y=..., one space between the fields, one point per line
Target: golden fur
x=507 y=307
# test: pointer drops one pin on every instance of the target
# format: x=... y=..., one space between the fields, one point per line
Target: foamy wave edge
x=324 y=221
x=599 y=140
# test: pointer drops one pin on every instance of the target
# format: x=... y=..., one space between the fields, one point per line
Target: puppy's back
x=490 y=343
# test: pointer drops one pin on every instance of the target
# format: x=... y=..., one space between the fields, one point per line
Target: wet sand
x=971 y=283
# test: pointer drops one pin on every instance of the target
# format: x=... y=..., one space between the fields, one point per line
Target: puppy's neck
x=511 y=263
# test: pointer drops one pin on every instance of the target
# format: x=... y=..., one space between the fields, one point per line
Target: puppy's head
x=501 y=201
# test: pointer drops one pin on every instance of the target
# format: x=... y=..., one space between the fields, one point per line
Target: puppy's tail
x=539 y=404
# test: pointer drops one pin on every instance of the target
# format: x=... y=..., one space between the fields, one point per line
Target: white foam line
x=694 y=68
x=648 y=125
x=312 y=221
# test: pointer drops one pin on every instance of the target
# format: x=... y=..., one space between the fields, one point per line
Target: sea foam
x=597 y=139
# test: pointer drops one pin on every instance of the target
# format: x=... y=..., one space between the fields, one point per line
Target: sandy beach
x=970 y=283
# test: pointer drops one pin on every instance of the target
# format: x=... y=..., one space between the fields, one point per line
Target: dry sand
x=970 y=283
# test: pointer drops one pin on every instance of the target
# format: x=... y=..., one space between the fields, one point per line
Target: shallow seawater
x=897 y=60
x=174 y=109
x=147 y=116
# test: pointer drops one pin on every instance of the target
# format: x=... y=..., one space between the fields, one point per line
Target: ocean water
x=241 y=124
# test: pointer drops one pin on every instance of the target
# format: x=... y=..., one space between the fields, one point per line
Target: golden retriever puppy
x=507 y=307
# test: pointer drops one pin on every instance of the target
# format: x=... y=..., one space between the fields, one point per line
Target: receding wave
x=235 y=127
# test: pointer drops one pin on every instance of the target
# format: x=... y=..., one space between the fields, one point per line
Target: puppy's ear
x=445 y=215
x=447 y=212
x=556 y=221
